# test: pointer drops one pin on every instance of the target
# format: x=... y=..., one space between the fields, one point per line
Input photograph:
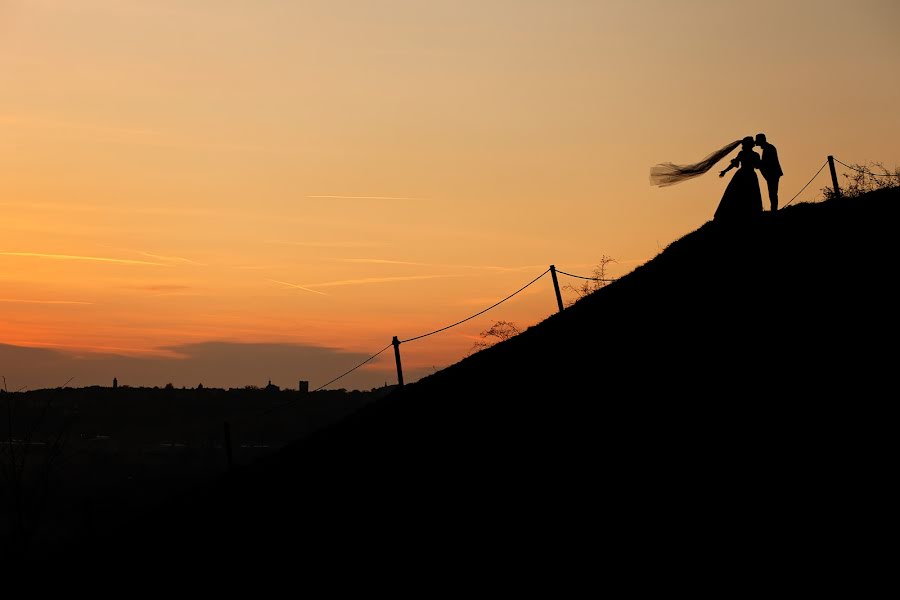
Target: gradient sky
x=228 y=192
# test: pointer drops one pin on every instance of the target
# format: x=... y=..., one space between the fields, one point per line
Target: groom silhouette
x=770 y=168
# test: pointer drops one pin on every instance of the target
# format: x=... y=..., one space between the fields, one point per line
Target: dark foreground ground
x=724 y=411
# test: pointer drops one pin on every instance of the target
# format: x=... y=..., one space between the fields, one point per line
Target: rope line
x=807 y=183
x=867 y=172
x=353 y=369
x=412 y=339
x=582 y=277
x=478 y=313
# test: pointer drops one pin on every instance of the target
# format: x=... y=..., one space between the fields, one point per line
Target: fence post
x=228 y=445
x=834 y=181
x=396 y=344
x=556 y=287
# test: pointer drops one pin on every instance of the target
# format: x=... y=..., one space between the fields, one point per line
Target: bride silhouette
x=742 y=197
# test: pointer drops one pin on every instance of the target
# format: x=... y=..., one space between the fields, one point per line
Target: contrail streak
x=23 y=301
x=377 y=280
x=299 y=287
x=121 y=261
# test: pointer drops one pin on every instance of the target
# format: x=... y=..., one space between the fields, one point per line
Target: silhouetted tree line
x=72 y=457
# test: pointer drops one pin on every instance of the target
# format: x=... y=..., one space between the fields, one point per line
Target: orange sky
x=298 y=182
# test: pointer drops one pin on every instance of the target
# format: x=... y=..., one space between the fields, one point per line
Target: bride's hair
x=668 y=173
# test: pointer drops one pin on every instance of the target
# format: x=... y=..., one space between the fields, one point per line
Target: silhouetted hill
x=723 y=405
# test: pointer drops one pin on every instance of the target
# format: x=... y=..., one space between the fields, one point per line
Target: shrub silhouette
x=864 y=179
x=598 y=280
x=498 y=332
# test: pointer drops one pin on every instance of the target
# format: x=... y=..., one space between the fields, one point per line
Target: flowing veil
x=668 y=173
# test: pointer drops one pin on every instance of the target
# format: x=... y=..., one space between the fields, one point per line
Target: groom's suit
x=771 y=172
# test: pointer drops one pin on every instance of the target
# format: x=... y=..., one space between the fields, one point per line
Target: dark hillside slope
x=734 y=390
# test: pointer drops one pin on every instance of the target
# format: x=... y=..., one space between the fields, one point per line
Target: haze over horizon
x=226 y=194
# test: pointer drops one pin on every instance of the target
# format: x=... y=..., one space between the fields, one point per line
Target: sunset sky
x=232 y=192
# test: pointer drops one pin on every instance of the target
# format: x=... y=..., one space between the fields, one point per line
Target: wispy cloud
x=299 y=287
x=366 y=197
x=369 y=280
x=499 y=269
x=121 y=261
x=53 y=206
x=494 y=268
x=160 y=287
x=27 y=301
x=258 y=267
x=382 y=261
x=174 y=259
x=100 y=349
x=324 y=244
x=165 y=290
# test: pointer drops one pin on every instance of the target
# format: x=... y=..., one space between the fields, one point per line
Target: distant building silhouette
x=304 y=387
x=272 y=388
x=115 y=383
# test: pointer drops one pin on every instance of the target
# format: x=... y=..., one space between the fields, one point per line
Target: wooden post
x=556 y=287
x=396 y=343
x=834 y=182
x=228 y=445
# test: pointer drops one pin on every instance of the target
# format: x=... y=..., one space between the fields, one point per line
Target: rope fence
x=866 y=171
x=418 y=337
x=837 y=191
x=424 y=335
x=353 y=369
x=582 y=277
x=807 y=183
x=396 y=341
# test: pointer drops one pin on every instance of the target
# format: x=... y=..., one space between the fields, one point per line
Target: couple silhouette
x=742 y=197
